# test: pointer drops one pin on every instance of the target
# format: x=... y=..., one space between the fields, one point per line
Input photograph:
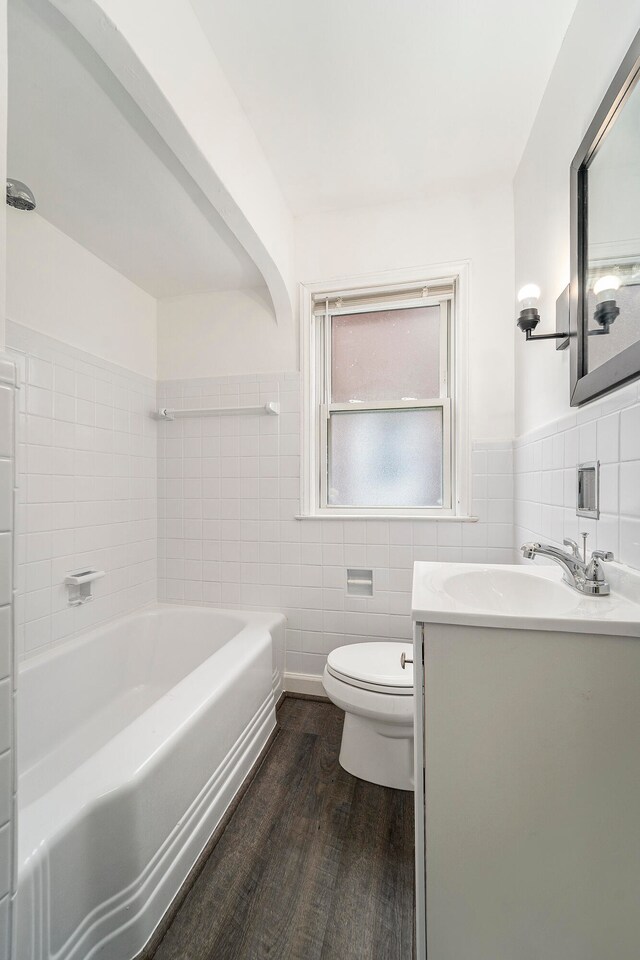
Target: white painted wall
x=553 y=437
x=457 y=226
x=594 y=46
x=57 y=287
x=222 y=334
x=162 y=57
x=234 y=332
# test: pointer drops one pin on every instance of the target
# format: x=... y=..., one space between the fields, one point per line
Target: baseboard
x=304 y=683
x=309 y=697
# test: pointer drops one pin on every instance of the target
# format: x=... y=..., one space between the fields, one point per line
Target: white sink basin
x=500 y=590
x=524 y=596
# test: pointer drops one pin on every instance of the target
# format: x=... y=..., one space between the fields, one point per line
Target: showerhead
x=19 y=195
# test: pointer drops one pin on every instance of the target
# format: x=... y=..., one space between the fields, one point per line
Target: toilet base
x=379 y=752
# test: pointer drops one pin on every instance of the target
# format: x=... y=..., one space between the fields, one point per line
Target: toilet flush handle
x=404 y=660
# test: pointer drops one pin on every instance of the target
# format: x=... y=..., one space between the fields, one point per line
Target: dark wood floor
x=314 y=864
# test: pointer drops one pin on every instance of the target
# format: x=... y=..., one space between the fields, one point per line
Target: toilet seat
x=373 y=666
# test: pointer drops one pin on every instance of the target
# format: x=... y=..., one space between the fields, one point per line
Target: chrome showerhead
x=19 y=195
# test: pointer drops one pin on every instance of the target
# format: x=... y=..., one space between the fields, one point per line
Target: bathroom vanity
x=527 y=699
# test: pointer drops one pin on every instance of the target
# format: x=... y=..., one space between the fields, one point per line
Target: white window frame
x=315 y=344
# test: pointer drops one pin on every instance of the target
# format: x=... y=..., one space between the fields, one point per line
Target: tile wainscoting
x=229 y=493
x=545 y=477
x=87 y=487
x=96 y=470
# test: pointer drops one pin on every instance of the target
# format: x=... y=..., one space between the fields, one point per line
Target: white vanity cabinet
x=527 y=700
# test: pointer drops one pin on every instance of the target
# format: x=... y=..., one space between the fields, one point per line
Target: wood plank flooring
x=313 y=865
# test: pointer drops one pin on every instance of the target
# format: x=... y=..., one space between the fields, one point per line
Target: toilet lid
x=373 y=666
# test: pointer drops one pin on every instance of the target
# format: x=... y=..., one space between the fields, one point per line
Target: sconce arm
x=545 y=336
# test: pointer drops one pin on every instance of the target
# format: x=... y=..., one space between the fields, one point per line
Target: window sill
x=386 y=516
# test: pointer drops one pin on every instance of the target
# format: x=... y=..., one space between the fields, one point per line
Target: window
x=379 y=374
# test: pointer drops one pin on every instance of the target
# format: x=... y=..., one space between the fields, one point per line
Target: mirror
x=605 y=242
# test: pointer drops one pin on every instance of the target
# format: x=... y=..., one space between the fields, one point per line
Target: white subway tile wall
x=229 y=493
x=87 y=488
x=545 y=477
x=7 y=681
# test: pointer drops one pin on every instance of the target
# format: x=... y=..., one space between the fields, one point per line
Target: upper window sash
x=325 y=327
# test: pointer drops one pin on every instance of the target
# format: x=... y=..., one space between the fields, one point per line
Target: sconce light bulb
x=605 y=288
x=528 y=295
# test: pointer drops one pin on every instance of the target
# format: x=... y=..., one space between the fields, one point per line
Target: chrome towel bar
x=273 y=408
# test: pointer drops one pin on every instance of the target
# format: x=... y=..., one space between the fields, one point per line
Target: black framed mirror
x=605 y=241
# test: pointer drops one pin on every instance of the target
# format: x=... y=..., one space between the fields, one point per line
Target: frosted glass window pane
x=386 y=355
x=385 y=458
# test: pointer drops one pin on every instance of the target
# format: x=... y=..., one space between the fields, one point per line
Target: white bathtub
x=132 y=741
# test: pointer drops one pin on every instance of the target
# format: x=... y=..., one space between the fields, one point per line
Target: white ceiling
x=96 y=168
x=359 y=102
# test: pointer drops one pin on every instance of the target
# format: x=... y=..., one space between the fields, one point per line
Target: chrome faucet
x=585 y=576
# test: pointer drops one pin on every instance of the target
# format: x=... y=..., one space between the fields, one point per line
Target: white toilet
x=367 y=681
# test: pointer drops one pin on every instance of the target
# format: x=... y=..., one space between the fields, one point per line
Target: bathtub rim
x=257 y=626
x=270 y=618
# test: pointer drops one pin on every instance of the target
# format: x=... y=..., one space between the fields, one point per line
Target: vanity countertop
x=525 y=597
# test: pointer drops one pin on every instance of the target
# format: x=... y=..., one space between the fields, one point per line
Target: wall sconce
x=606 y=307
x=529 y=317
x=606 y=311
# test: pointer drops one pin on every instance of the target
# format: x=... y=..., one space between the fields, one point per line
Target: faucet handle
x=603 y=555
x=575 y=549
